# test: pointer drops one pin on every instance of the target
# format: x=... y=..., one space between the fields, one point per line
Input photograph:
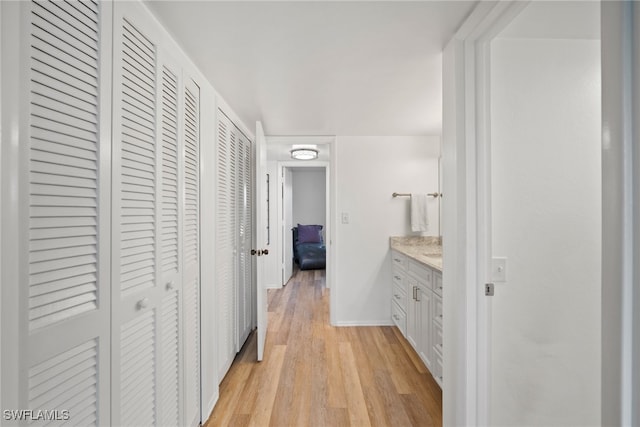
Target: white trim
x=332 y=200
x=12 y=82
x=328 y=191
x=208 y=295
x=466 y=236
x=620 y=197
x=381 y=322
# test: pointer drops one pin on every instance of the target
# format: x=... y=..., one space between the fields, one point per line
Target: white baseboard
x=386 y=322
x=274 y=286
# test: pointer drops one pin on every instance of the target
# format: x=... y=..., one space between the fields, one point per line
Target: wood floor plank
x=314 y=374
x=264 y=406
x=357 y=406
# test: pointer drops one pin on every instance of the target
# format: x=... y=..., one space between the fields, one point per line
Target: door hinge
x=488 y=289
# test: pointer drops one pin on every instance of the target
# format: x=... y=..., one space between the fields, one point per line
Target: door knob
x=265 y=252
x=254 y=252
x=142 y=304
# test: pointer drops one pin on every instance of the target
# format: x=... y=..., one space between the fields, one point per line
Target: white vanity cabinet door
x=425 y=307
x=413 y=313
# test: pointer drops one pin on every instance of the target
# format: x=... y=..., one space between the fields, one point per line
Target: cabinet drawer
x=437 y=308
x=437 y=336
x=423 y=273
x=398 y=260
x=399 y=295
x=398 y=277
x=437 y=285
x=437 y=367
x=399 y=318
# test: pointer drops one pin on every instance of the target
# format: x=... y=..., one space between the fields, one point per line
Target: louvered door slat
x=137 y=375
x=170 y=192
x=224 y=246
x=191 y=259
x=64 y=164
x=170 y=404
x=59 y=379
x=170 y=373
x=48 y=44
x=244 y=227
x=78 y=43
x=138 y=160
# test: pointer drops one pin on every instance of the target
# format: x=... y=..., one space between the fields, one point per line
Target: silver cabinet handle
x=143 y=303
x=397 y=277
x=417 y=295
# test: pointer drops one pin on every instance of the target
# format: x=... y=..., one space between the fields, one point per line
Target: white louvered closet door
x=170 y=372
x=192 y=251
x=244 y=215
x=147 y=230
x=63 y=277
x=225 y=243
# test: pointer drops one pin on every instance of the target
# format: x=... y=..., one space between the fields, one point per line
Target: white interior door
x=225 y=243
x=244 y=262
x=287 y=202
x=191 y=252
x=262 y=246
x=55 y=289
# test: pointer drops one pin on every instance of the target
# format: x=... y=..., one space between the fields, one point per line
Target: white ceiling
x=322 y=67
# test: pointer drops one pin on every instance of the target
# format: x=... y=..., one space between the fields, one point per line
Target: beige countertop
x=426 y=250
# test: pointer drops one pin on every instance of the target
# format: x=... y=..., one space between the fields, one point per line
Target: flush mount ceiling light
x=304 y=153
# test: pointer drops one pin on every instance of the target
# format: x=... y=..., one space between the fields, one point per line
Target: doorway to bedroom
x=299 y=209
x=304 y=219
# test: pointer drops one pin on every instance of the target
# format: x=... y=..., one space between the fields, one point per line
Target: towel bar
x=409 y=194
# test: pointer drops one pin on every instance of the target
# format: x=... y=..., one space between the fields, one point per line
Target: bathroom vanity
x=416 y=306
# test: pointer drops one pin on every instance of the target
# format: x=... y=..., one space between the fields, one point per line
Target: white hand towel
x=419 y=218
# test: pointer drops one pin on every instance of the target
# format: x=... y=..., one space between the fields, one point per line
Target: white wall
x=369 y=170
x=309 y=196
x=546 y=210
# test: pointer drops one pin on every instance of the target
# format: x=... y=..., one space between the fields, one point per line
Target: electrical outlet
x=345 y=217
x=499 y=269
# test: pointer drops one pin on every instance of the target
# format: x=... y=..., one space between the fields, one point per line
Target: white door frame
x=620 y=21
x=332 y=215
x=466 y=210
x=467 y=214
x=293 y=164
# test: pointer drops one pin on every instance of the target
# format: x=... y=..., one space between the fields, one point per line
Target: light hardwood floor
x=317 y=375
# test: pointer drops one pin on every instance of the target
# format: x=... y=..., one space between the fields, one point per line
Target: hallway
x=317 y=375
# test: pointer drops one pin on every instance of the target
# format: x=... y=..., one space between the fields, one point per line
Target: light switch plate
x=499 y=269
